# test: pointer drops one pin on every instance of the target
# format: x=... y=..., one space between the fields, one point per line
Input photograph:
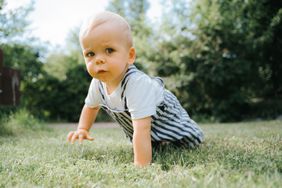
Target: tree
x=20 y=51
x=61 y=60
x=217 y=56
x=17 y=54
x=13 y=23
x=63 y=99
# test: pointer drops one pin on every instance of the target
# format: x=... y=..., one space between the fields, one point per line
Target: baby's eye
x=90 y=54
x=109 y=50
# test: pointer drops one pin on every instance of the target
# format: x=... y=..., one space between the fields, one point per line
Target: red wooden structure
x=9 y=84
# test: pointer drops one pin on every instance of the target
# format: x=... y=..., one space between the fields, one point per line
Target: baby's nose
x=99 y=60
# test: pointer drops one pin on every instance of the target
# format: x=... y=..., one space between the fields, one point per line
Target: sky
x=51 y=20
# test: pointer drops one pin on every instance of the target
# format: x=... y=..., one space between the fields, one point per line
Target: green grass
x=233 y=155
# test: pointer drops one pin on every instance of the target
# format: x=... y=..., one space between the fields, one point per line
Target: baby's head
x=107 y=47
x=110 y=21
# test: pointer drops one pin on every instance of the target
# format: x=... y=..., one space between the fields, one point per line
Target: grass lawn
x=233 y=155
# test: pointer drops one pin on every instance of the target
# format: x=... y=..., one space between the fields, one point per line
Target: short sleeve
x=92 y=99
x=143 y=95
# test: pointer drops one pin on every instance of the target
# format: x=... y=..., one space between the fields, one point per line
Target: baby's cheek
x=90 y=70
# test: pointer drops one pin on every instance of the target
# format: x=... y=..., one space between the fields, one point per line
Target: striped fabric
x=171 y=123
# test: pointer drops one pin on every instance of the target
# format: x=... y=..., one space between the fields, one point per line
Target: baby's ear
x=132 y=55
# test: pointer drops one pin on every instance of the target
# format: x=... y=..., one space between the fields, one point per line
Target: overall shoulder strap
x=101 y=91
x=131 y=70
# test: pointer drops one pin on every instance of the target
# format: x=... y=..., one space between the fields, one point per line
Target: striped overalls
x=171 y=123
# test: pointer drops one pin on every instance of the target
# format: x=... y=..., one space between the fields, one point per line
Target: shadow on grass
x=169 y=155
x=233 y=158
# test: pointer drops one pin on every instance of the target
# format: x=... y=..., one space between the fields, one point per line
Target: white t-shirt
x=143 y=95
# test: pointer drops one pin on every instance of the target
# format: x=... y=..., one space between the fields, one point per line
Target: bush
x=6 y=111
x=20 y=122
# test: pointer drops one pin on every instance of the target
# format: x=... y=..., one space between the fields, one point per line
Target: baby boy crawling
x=148 y=113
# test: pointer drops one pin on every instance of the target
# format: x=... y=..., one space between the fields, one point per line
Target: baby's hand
x=79 y=134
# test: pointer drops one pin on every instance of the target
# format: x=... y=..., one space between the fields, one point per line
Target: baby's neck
x=112 y=86
x=110 y=89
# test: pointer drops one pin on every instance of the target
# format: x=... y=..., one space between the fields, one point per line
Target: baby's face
x=107 y=55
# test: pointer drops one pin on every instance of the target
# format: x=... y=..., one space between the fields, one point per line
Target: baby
x=149 y=114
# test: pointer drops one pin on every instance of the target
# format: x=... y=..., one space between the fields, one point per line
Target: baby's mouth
x=101 y=71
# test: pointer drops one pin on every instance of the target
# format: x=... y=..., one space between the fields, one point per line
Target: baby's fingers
x=69 y=137
x=89 y=138
x=74 y=137
x=80 y=138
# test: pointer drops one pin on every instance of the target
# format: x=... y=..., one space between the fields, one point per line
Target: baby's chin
x=101 y=78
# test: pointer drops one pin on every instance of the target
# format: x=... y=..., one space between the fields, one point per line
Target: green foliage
x=13 y=23
x=71 y=98
x=20 y=122
x=6 y=111
x=57 y=66
x=25 y=59
x=63 y=99
x=4 y=130
x=60 y=60
x=216 y=62
x=232 y=155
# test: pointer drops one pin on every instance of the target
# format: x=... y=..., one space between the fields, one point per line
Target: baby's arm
x=87 y=117
x=142 y=145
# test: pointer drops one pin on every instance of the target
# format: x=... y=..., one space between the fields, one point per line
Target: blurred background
x=222 y=58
